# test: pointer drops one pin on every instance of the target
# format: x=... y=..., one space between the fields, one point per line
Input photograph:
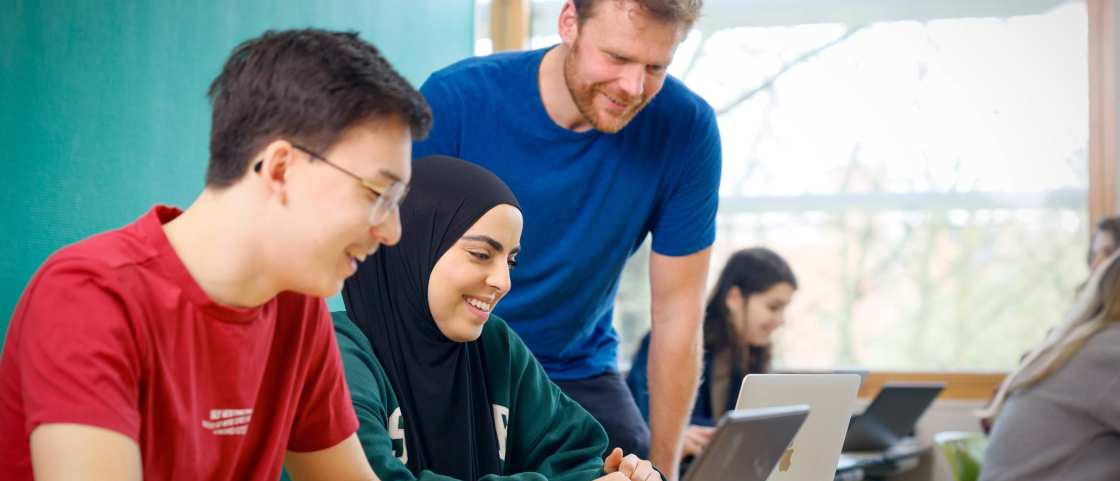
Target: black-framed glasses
x=389 y=194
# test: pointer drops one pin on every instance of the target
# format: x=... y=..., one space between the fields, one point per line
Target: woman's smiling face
x=473 y=275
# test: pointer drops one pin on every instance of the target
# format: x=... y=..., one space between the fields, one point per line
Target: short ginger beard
x=584 y=98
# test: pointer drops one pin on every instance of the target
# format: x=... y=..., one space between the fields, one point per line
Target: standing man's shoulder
x=476 y=73
x=466 y=97
x=676 y=103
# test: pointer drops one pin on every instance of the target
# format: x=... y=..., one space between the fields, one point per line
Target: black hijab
x=440 y=383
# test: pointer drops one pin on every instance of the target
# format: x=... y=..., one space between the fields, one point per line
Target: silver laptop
x=748 y=444
x=831 y=398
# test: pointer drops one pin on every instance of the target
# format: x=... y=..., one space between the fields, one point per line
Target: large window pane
x=926 y=179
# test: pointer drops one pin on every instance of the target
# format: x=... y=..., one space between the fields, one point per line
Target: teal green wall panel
x=104 y=110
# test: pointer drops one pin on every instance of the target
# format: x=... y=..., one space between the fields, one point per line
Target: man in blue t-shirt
x=602 y=148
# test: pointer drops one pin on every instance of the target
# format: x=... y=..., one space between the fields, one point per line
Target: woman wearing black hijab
x=443 y=389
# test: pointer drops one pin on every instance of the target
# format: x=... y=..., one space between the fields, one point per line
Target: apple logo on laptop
x=787 y=459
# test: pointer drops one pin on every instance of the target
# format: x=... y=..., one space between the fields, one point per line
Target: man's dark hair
x=304 y=85
x=677 y=12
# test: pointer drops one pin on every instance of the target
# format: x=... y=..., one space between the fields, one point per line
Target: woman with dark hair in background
x=746 y=306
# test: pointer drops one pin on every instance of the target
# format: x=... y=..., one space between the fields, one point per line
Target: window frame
x=509 y=29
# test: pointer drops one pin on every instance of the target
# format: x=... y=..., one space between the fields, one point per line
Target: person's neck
x=212 y=240
x=555 y=96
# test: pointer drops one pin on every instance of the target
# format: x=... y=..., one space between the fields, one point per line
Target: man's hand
x=696 y=438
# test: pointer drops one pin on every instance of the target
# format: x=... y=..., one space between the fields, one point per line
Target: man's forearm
x=677 y=294
x=673 y=372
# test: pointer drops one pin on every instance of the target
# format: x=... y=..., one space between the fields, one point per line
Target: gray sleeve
x=1107 y=410
x=1103 y=354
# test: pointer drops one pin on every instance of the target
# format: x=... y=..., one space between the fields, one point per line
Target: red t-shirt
x=114 y=332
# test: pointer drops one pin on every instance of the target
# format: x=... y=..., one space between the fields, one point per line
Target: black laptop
x=891 y=416
x=748 y=444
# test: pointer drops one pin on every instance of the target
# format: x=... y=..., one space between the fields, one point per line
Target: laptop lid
x=831 y=398
x=748 y=444
x=891 y=415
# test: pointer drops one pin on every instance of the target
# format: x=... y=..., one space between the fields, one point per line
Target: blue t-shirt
x=588 y=198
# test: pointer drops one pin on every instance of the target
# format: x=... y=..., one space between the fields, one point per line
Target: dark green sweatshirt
x=542 y=434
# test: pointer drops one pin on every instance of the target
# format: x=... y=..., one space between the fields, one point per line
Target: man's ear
x=272 y=165
x=568 y=26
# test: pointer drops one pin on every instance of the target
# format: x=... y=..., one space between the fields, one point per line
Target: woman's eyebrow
x=487 y=239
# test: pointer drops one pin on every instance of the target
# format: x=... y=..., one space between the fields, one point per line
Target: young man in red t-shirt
x=195 y=344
